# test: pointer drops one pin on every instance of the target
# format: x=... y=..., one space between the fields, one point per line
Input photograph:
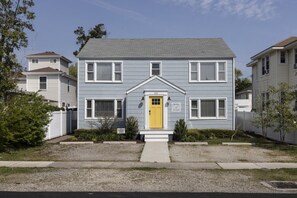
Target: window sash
x=155 y=68
x=208 y=108
x=42 y=82
x=98 y=108
x=208 y=71
x=104 y=71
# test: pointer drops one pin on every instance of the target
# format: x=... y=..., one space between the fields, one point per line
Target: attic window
x=34 y=60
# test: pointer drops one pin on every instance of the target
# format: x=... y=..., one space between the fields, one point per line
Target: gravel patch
x=131 y=180
x=191 y=153
x=95 y=152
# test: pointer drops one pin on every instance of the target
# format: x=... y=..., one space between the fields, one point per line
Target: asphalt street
x=140 y=195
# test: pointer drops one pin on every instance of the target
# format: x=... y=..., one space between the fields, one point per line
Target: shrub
x=131 y=128
x=204 y=134
x=23 y=121
x=180 y=129
x=104 y=125
x=96 y=136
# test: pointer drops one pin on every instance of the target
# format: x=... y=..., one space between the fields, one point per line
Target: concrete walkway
x=155 y=152
x=125 y=165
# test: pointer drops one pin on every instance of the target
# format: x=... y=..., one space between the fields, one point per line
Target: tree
x=82 y=38
x=264 y=115
x=22 y=121
x=241 y=83
x=73 y=70
x=15 y=19
x=285 y=117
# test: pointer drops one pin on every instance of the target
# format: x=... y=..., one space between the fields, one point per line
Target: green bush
x=180 y=129
x=23 y=121
x=131 y=128
x=207 y=134
x=96 y=136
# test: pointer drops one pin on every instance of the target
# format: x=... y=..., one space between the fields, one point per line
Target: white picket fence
x=62 y=123
x=244 y=122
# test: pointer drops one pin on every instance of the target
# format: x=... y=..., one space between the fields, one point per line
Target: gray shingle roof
x=172 y=48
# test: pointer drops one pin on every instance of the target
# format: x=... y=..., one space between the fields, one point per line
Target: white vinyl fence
x=62 y=123
x=244 y=122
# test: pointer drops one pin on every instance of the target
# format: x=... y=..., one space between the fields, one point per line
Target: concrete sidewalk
x=125 y=165
x=155 y=152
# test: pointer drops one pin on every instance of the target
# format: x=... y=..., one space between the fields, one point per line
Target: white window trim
x=286 y=57
x=216 y=71
x=95 y=71
x=102 y=99
x=46 y=82
x=199 y=108
x=151 y=67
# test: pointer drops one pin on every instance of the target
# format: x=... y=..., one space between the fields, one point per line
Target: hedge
x=96 y=136
x=193 y=135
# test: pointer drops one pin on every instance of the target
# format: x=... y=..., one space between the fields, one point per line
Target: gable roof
x=278 y=46
x=154 y=48
x=153 y=78
x=49 y=54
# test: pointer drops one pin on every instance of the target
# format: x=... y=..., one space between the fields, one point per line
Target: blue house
x=158 y=81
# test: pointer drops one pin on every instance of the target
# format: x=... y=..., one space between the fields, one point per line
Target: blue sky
x=247 y=26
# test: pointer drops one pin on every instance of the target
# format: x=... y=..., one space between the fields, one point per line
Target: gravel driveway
x=191 y=153
x=94 y=152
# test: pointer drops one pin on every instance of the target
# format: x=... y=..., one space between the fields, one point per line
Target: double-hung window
x=265 y=65
x=96 y=108
x=207 y=71
x=104 y=72
x=295 y=58
x=282 y=57
x=155 y=69
x=208 y=108
x=42 y=83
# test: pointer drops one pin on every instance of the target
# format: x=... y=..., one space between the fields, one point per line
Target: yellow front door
x=156 y=112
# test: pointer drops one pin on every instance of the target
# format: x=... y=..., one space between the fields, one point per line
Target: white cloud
x=255 y=9
x=119 y=10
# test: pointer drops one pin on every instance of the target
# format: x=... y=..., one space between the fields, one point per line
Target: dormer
x=48 y=59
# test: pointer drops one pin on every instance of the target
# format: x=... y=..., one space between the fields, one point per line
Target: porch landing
x=156 y=135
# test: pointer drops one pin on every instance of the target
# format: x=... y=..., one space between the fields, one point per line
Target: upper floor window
x=282 y=58
x=207 y=71
x=265 y=65
x=207 y=108
x=155 y=69
x=34 y=60
x=104 y=72
x=53 y=60
x=42 y=83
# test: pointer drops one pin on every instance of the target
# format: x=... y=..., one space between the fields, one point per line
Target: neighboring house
x=243 y=100
x=48 y=75
x=158 y=81
x=272 y=66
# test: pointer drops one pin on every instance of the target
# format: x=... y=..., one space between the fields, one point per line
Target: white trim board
x=153 y=78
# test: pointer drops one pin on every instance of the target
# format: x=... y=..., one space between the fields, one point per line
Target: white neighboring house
x=274 y=65
x=243 y=100
x=48 y=74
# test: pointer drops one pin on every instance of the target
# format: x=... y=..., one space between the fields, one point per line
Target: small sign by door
x=176 y=107
x=121 y=130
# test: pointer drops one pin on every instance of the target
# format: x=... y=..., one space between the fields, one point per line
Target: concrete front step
x=156 y=135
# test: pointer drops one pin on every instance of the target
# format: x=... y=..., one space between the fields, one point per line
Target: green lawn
x=30 y=154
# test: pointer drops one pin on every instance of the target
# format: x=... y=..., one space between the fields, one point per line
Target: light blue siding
x=174 y=71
